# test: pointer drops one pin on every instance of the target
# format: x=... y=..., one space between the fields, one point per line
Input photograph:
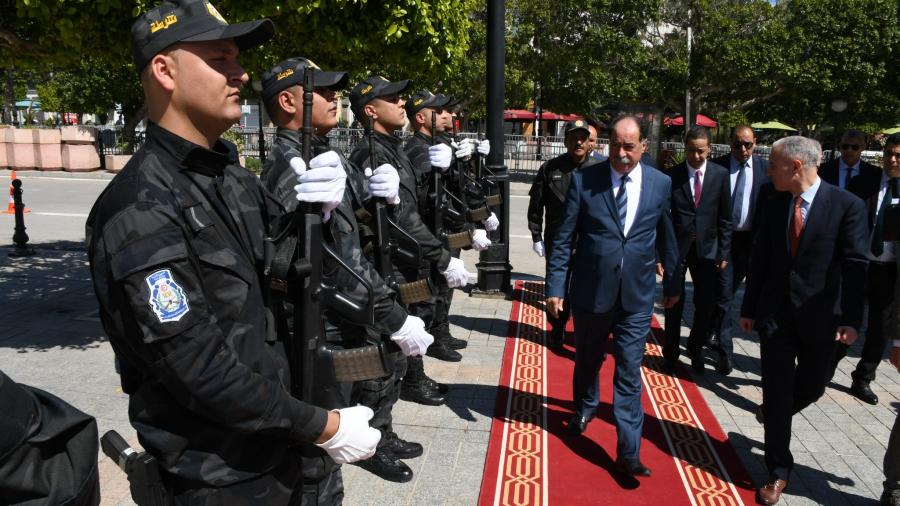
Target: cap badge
x=214 y=13
x=365 y=90
x=418 y=101
x=579 y=123
x=284 y=74
x=170 y=20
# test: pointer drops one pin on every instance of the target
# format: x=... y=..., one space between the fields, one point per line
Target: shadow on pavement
x=47 y=300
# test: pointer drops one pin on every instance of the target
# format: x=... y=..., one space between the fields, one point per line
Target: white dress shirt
x=807 y=197
x=888 y=255
x=746 y=220
x=632 y=192
x=842 y=172
x=692 y=173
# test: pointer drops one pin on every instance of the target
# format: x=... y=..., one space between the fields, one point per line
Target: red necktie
x=698 y=188
x=796 y=226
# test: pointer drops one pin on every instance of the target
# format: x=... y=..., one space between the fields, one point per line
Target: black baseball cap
x=292 y=72
x=451 y=101
x=373 y=87
x=190 y=21
x=578 y=124
x=422 y=99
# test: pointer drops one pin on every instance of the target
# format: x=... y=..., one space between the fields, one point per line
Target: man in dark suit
x=547 y=198
x=842 y=171
x=747 y=174
x=807 y=272
x=890 y=495
x=873 y=188
x=618 y=212
x=701 y=213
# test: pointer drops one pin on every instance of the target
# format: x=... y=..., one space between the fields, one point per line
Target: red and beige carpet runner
x=531 y=459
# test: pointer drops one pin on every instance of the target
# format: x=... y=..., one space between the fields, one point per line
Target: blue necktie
x=737 y=196
x=622 y=201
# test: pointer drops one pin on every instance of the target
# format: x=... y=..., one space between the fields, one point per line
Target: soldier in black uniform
x=378 y=98
x=548 y=195
x=176 y=249
x=421 y=108
x=283 y=95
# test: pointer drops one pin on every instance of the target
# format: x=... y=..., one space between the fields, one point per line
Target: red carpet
x=532 y=460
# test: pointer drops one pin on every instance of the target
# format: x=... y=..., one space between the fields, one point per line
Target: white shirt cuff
x=896 y=343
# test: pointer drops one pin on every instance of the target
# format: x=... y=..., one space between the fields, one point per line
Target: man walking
x=614 y=211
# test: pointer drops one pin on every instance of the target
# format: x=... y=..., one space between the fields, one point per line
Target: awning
x=772 y=125
x=518 y=115
x=34 y=105
x=701 y=120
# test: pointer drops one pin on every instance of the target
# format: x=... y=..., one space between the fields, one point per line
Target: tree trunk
x=132 y=118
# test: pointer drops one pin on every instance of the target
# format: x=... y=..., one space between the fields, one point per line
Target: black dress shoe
x=578 y=423
x=861 y=390
x=440 y=351
x=441 y=332
x=632 y=467
x=403 y=449
x=697 y=364
x=386 y=465
x=455 y=343
x=724 y=365
x=422 y=393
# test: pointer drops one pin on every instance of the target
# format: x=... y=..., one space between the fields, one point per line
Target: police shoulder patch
x=167 y=298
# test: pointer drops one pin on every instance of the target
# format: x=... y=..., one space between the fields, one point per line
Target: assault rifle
x=441 y=205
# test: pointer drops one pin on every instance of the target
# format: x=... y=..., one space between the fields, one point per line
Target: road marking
x=66 y=215
x=520 y=196
x=514 y=236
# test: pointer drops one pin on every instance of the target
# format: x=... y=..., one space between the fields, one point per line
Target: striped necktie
x=622 y=200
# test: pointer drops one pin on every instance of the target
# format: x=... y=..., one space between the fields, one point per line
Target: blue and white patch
x=167 y=298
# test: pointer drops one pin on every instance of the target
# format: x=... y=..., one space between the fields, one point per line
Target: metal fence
x=523 y=155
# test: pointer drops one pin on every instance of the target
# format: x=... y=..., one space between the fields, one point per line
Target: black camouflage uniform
x=342 y=233
x=547 y=199
x=176 y=249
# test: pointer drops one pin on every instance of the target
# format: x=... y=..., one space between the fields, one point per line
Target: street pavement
x=52 y=339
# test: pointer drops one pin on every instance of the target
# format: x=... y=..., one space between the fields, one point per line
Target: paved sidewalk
x=52 y=339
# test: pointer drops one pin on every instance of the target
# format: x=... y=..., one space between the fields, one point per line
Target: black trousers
x=285 y=485
x=880 y=297
x=381 y=395
x=703 y=274
x=729 y=280
x=796 y=361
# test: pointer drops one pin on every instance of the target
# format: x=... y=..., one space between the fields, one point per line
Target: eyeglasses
x=852 y=147
x=739 y=145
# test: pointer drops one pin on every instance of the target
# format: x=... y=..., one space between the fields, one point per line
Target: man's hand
x=846 y=335
x=354 y=439
x=554 y=306
x=440 y=156
x=660 y=271
x=456 y=273
x=464 y=148
x=746 y=324
x=538 y=248
x=385 y=183
x=324 y=181
x=895 y=357
x=722 y=265
x=668 y=302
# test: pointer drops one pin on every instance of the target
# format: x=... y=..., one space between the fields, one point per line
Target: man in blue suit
x=804 y=293
x=619 y=214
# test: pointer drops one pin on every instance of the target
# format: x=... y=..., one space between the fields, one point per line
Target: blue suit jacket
x=603 y=253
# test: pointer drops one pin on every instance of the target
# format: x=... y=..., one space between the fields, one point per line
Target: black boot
x=386 y=465
x=441 y=388
x=421 y=392
x=441 y=332
x=440 y=351
x=402 y=449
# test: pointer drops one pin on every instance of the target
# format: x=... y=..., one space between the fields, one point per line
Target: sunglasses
x=739 y=145
x=852 y=147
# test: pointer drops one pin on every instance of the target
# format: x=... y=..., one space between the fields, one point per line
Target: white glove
x=456 y=273
x=539 y=248
x=491 y=222
x=323 y=182
x=484 y=147
x=463 y=148
x=354 y=439
x=440 y=156
x=480 y=241
x=412 y=337
x=385 y=182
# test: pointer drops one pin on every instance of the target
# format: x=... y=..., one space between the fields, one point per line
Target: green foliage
x=253 y=165
x=90 y=87
x=235 y=137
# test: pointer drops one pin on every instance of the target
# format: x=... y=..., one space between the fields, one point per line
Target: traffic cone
x=11 y=206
